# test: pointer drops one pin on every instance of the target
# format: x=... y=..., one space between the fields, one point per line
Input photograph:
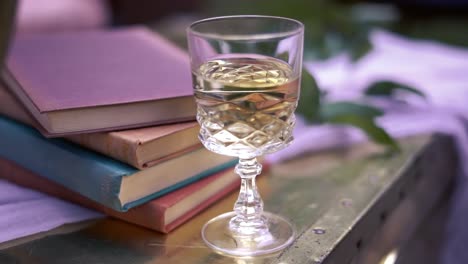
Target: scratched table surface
x=338 y=201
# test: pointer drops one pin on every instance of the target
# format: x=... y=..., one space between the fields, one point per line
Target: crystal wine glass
x=246 y=77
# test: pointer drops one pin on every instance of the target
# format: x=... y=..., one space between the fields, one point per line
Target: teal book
x=97 y=177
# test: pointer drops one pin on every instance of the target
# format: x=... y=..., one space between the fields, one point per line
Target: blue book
x=102 y=179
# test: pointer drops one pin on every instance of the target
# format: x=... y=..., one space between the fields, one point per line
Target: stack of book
x=105 y=119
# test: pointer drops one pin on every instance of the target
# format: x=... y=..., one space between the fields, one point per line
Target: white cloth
x=26 y=212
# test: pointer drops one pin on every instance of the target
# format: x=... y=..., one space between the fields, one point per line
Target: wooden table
x=352 y=205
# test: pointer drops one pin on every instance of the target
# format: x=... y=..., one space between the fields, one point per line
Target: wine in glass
x=246 y=80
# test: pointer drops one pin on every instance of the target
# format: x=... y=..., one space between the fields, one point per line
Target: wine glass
x=246 y=78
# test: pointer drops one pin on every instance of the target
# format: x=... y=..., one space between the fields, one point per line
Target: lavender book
x=100 y=80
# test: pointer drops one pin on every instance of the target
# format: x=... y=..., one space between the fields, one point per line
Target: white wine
x=245 y=104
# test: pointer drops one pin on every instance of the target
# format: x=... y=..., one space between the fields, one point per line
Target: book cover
x=161 y=214
x=100 y=178
x=139 y=147
x=80 y=81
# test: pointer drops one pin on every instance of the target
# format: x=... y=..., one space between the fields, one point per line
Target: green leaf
x=309 y=101
x=359 y=48
x=367 y=125
x=387 y=88
x=330 y=110
x=283 y=56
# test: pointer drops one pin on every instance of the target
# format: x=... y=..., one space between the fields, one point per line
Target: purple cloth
x=26 y=212
x=440 y=71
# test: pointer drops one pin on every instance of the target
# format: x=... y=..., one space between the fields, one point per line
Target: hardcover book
x=100 y=80
x=161 y=214
x=139 y=147
x=100 y=178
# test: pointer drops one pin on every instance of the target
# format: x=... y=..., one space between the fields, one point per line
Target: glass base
x=218 y=236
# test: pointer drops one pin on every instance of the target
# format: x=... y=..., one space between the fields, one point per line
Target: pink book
x=100 y=80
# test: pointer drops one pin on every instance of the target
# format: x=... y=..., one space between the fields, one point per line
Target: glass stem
x=249 y=205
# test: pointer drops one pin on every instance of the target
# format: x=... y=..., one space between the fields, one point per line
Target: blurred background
x=332 y=26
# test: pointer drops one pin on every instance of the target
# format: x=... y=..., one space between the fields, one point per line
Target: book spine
x=88 y=173
x=109 y=144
